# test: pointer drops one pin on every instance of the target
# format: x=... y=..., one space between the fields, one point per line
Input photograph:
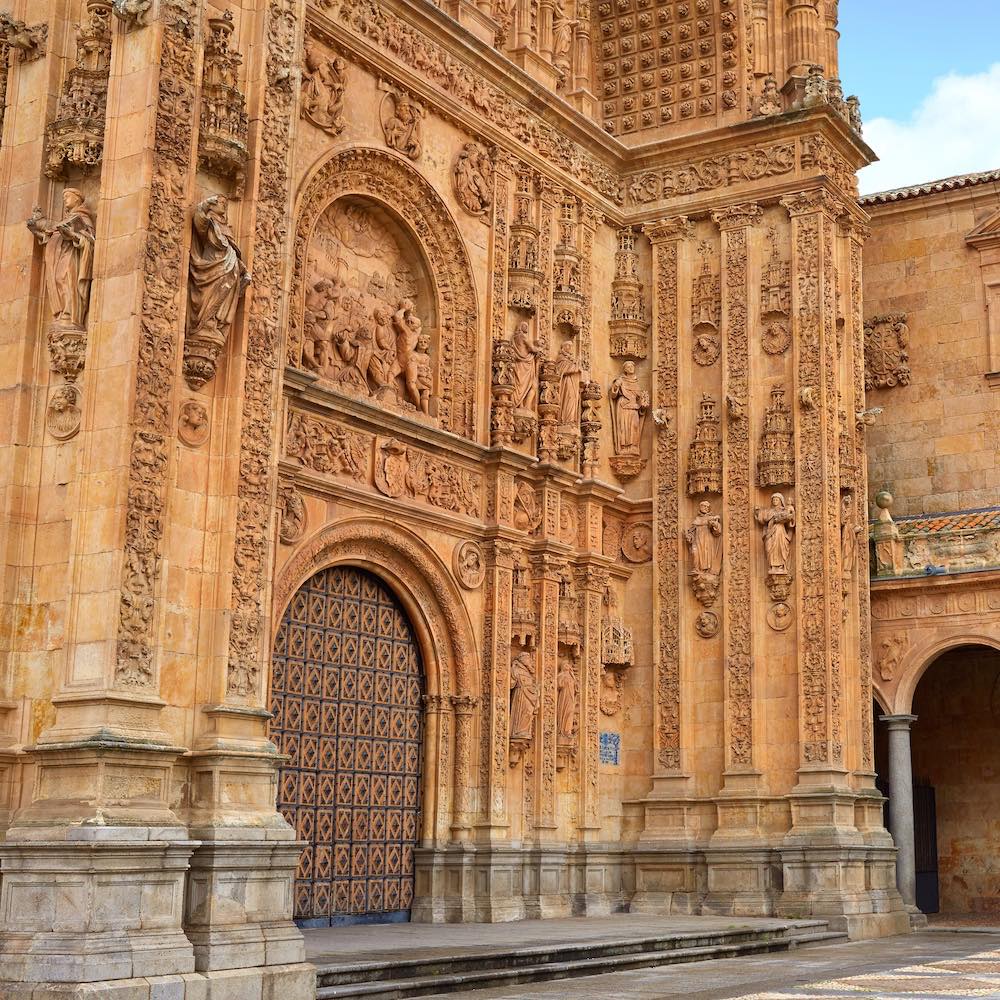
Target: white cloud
x=955 y=130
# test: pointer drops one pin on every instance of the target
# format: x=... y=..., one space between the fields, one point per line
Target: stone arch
x=390 y=182
x=432 y=601
x=920 y=658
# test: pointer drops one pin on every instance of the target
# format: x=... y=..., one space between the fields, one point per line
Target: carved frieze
x=705 y=451
x=403 y=471
x=75 y=138
x=324 y=84
x=887 y=357
x=325 y=447
x=223 y=134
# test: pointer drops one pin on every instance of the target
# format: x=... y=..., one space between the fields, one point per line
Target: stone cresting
x=256 y=493
x=387 y=179
x=159 y=340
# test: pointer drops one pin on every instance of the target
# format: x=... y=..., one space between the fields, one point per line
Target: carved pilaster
x=592 y=582
x=666 y=237
x=737 y=224
x=464 y=708
x=548 y=572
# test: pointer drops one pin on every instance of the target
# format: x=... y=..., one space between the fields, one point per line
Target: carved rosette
x=75 y=137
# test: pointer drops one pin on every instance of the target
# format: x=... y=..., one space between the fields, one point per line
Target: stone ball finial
x=884 y=499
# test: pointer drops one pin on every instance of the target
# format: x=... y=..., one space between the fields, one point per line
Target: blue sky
x=929 y=83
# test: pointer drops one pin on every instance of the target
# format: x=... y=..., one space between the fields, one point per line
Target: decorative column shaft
x=762 y=62
x=465 y=715
x=901 y=803
x=736 y=224
x=592 y=582
x=666 y=237
x=802 y=36
x=831 y=39
x=547 y=572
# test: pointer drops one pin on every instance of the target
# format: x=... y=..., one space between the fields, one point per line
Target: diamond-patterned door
x=346 y=692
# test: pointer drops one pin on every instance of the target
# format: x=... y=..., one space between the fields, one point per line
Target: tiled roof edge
x=931 y=187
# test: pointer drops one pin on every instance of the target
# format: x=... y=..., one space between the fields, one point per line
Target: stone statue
x=629 y=403
x=524 y=367
x=218 y=276
x=569 y=373
x=562 y=39
x=523 y=697
x=567 y=691
x=778 y=521
x=323 y=89
x=474 y=179
x=849 y=532
x=704 y=540
x=408 y=340
x=69 y=259
x=403 y=127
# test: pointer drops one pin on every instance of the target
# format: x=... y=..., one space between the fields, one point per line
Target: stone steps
x=394 y=979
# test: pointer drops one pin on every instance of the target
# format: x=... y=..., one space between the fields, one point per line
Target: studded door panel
x=346 y=688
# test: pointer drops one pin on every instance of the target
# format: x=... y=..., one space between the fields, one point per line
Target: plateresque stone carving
x=473 y=175
x=704 y=541
x=887 y=357
x=323 y=86
x=629 y=405
x=778 y=522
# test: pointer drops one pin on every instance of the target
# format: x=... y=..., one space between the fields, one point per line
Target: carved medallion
x=469 y=564
x=612 y=687
x=707 y=348
x=567 y=522
x=637 y=542
x=293 y=514
x=779 y=616
x=391 y=467
x=890 y=653
x=527 y=512
x=62 y=417
x=776 y=337
x=707 y=624
x=192 y=423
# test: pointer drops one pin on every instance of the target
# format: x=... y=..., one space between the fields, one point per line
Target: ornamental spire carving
x=705 y=453
x=628 y=324
x=222 y=136
x=75 y=138
x=776 y=463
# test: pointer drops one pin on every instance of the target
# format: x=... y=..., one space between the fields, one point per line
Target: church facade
x=434 y=477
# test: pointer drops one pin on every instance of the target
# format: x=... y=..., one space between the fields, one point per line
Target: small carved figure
x=218 y=276
x=562 y=40
x=323 y=85
x=849 y=532
x=704 y=540
x=131 y=12
x=630 y=403
x=769 y=103
x=523 y=696
x=293 y=514
x=890 y=654
x=192 y=423
x=567 y=691
x=474 y=179
x=524 y=367
x=569 y=373
x=69 y=259
x=403 y=126
x=778 y=521
x=423 y=375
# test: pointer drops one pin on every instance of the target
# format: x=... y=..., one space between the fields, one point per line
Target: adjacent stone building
x=434 y=483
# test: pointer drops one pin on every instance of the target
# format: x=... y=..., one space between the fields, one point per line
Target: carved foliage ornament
x=887 y=358
x=381 y=177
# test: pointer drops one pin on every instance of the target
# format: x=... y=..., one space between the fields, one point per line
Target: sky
x=928 y=75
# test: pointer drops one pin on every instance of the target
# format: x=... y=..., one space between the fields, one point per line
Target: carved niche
x=705 y=453
x=775 y=300
x=75 y=137
x=222 y=135
x=887 y=358
x=384 y=309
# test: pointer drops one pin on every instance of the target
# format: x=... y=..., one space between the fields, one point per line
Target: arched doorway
x=955 y=747
x=346 y=696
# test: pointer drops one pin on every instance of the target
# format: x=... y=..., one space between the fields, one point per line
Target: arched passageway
x=954 y=737
x=346 y=696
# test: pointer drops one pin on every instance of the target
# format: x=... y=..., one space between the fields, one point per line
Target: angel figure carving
x=323 y=85
x=69 y=259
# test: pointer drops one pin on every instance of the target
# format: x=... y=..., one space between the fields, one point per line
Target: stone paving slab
x=923 y=965
x=375 y=942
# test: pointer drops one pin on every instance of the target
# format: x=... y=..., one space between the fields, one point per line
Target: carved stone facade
x=356 y=296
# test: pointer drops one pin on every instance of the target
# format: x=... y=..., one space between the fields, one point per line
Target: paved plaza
x=929 y=964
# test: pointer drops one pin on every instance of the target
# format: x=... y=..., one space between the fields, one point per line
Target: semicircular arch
x=920 y=658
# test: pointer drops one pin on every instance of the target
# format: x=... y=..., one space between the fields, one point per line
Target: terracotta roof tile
x=931 y=187
x=934 y=524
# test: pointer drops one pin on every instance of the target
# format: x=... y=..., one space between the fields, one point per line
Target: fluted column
x=763 y=63
x=802 y=36
x=831 y=39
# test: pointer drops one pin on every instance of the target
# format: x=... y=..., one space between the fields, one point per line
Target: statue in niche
x=630 y=403
x=218 y=276
x=525 y=367
x=523 y=696
x=778 y=521
x=402 y=127
x=562 y=40
x=704 y=540
x=474 y=179
x=567 y=692
x=69 y=259
x=569 y=373
x=323 y=84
